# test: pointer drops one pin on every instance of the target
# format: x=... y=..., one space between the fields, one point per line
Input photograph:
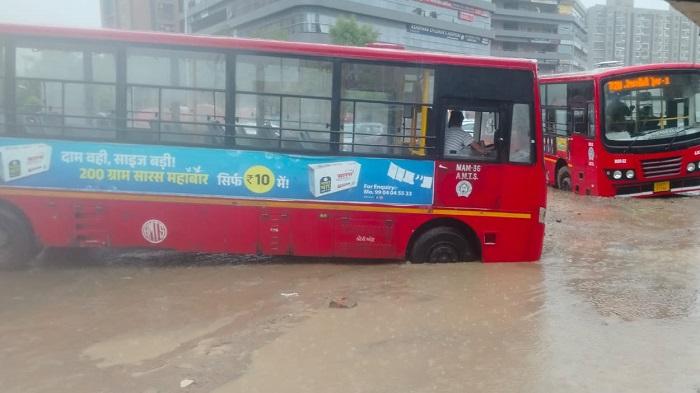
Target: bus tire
x=564 y=179
x=441 y=245
x=17 y=243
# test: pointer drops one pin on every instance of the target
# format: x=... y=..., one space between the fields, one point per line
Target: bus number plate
x=662 y=186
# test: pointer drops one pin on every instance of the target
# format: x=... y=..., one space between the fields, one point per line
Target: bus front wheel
x=564 y=179
x=441 y=245
x=17 y=243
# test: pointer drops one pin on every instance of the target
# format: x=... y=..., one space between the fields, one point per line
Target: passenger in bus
x=458 y=142
x=647 y=121
x=617 y=113
x=217 y=131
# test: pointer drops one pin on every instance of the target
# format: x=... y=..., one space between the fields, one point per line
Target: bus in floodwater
x=218 y=144
x=624 y=131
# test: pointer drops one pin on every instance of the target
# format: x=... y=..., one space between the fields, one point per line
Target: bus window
x=578 y=96
x=471 y=134
x=578 y=120
x=591 y=119
x=384 y=108
x=64 y=87
x=521 y=143
x=176 y=96
x=554 y=109
x=3 y=121
x=565 y=108
x=283 y=103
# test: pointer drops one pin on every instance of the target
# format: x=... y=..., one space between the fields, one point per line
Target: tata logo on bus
x=154 y=231
x=641 y=82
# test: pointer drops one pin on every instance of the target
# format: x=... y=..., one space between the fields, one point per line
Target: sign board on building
x=466 y=16
x=447 y=34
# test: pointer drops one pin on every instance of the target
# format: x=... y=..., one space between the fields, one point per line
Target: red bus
x=218 y=144
x=625 y=131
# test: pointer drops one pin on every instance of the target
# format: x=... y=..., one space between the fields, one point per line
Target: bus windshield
x=652 y=107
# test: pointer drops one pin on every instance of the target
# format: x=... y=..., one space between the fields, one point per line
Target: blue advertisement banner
x=89 y=166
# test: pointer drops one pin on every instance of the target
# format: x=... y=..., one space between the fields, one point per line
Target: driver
x=616 y=114
x=457 y=140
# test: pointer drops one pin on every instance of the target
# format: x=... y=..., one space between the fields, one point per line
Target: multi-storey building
x=462 y=26
x=551 y=31
x=619 y=32
x=157 y=15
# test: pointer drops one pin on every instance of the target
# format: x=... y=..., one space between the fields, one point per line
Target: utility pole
x=186 y=12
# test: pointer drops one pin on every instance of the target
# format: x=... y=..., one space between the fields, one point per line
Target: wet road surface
x=612 y=307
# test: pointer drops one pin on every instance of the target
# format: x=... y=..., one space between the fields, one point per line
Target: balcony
x=519 y=35
x=524 y=16
x=529 y=54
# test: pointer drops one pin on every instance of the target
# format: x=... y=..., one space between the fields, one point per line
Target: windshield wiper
x=641 y=134
x=629 y=147
x=677 y=133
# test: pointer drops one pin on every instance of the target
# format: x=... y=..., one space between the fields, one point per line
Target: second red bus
x=624 y=131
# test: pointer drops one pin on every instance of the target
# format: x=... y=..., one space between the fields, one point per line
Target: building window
x=166 y=10
x=510 y=25
x=510 y=46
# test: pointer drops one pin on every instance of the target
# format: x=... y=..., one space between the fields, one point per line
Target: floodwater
x=612 y=307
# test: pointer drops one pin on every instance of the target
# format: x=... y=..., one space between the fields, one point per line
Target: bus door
x=581 y=148
x=467 y=173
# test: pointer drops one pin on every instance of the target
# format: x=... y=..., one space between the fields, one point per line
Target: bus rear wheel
x=17 y=243
x=564 y=179
x=441 y=245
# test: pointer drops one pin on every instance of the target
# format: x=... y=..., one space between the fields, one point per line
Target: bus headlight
x=617 y=174
x=691 y=167
x=629 y=174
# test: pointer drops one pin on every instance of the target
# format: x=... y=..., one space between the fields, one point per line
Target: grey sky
x=86 y=13
x=76 y=13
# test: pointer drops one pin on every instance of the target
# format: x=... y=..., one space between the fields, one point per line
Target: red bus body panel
x=64 y=221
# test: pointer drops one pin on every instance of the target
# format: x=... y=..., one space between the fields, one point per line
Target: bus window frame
x=434 y=138
x=533 y=136
x=7 y=88
x=504 y=110
x=584 y=106
x=11 y=79
x=430 y=146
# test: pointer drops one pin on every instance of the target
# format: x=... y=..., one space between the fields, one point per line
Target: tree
x=347 y=31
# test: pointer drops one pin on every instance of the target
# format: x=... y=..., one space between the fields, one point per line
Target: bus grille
x=663 y=167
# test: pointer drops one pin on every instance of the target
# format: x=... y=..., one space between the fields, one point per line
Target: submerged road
x=612 y=307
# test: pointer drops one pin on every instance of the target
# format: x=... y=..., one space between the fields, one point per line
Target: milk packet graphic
x=20 y=161
x=328 y=178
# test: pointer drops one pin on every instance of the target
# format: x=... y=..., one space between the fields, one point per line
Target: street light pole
x=186 y=12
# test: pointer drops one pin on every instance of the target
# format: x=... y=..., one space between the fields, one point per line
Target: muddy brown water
x=612 y=307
